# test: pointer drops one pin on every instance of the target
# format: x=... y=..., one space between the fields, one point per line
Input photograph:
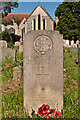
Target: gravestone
x=8 y=53
x=3 y=44
x=18 y=43
x=17 y=73
x=43 y=69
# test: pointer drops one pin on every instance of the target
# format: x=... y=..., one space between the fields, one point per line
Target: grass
x=13 y=105
x=8 y=65
x=13 y=100
x=71 y=106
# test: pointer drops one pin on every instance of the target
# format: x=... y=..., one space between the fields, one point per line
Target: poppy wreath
x=45 y=111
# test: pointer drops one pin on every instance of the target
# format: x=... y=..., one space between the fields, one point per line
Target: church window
x=34 y=25
x=23 y=31
x=39 y=26
x=12 y=30
x=43 y=24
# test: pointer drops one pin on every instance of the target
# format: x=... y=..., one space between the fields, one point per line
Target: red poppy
x=43 y=109
x=47 y=107
x=52 y=110
x=47 y=116
x=59 y=114
x=53 y=115
x=40 y=110
x=56 y=114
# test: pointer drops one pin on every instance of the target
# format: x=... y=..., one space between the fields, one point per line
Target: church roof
x=20 y=16
x=44 y=10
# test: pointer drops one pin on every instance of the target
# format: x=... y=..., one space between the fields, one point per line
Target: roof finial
x=39 y=2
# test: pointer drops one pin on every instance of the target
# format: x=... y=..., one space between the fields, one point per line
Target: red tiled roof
x=20 y=16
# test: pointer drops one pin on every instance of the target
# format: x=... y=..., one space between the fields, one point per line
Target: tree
x=6 y=36
x=7 y=22
x=16 y=20
x=7 y=7
x=69 y=20
x=10 y=37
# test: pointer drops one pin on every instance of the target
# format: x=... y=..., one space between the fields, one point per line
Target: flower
x=47 y=116
x=53 y=114
x=47 y=107
x=52 y=110
x=43 y=109
x=58 y=114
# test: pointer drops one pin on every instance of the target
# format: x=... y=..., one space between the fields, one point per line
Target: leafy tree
x=17 y=20
x=10 y=37
x=69 y=20
x=8 y=6
x=6 y=36
x=7 y=22
x=15 y=37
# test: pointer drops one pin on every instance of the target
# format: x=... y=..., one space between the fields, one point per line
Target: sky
x=28 y=7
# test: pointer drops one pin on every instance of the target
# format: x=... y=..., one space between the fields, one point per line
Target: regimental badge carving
x=43 y=44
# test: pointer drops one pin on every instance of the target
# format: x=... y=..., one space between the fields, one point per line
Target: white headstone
x=18 y=43
x=72 y=42
x=67 y=42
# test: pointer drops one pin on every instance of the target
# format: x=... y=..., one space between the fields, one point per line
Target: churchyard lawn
x=12 y=91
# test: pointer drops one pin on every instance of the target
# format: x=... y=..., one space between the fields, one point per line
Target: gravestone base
x=43 y=70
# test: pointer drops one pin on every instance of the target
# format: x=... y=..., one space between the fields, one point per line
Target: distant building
x=28 y=22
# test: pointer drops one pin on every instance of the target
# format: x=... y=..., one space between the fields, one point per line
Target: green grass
x=71 y=106
x=13 y=105
x=13 y=102
x=8 y=65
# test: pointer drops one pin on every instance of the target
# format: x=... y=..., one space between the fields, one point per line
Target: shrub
x=15 y=37
x=6 y=36
x=10 y=37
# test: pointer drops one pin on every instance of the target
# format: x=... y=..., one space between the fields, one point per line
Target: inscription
x=43 y=44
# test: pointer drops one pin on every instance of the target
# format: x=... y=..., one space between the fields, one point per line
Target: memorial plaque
x=42 y=44
x=43 y=70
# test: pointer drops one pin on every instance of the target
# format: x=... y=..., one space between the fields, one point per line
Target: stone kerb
x=43 y=69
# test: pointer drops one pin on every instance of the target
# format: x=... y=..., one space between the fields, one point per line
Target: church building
x=39 y=19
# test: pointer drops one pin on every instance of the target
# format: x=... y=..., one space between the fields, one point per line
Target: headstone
x=18 y=43
x=8 y=53
x=17 y=73
x=67 y=42
x=64 y=42
x=72 y=42
x=3 y=44
x=74 y=46
x=43 y=69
